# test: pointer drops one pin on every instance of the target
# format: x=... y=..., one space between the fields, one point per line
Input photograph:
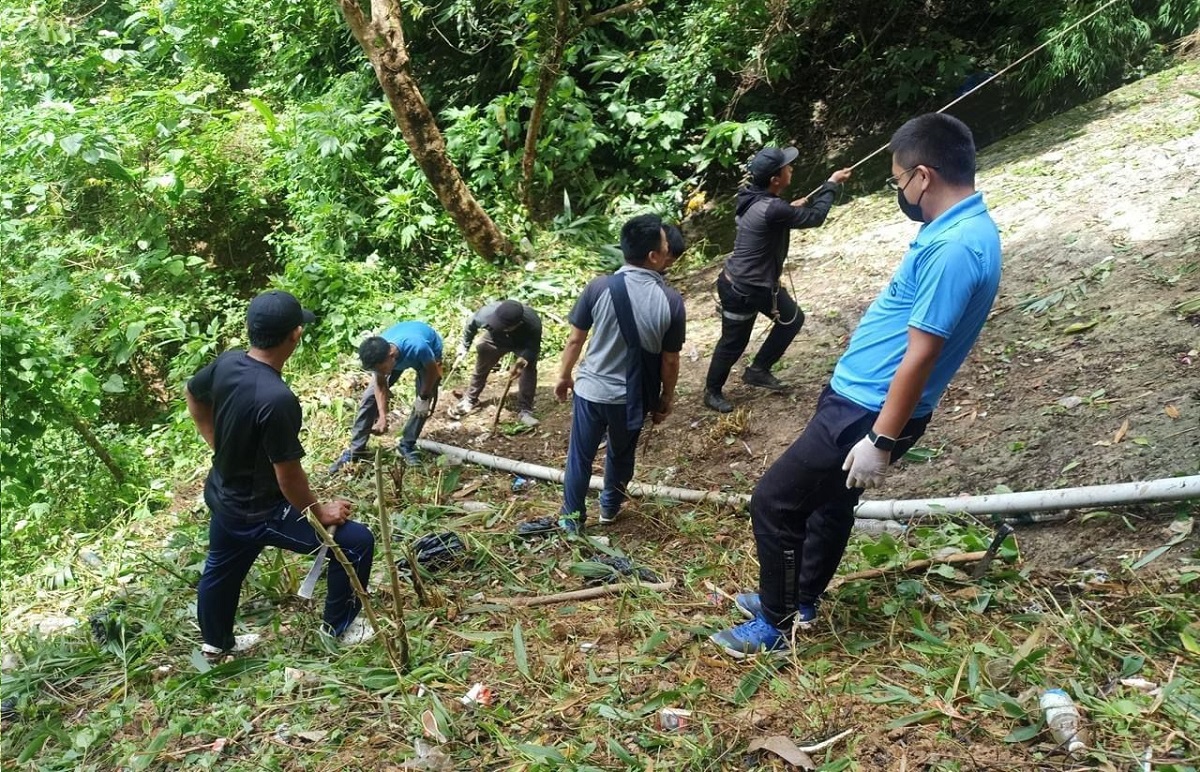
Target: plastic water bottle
x=1062 y=717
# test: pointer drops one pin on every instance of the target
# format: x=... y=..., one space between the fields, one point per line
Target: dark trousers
x=590 y=423
x=740 y=307
x=368 y=413
x=487 y=355
x=802 y=511
x=234 y=544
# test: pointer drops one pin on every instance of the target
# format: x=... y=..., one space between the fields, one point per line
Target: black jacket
x=764 y=222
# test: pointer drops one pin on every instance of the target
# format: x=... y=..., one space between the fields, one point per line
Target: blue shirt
x=658 y=313
x=944 y=286
x=419 y=344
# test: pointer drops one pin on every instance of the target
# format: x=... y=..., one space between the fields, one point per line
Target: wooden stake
x=513 y=374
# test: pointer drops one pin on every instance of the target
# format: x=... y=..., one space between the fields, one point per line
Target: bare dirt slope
x=1086 y=373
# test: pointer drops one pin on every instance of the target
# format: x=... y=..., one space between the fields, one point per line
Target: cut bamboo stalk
x=588 y=593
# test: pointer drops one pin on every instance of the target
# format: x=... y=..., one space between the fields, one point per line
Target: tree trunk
x=564 y=32
x=93 y=442
x=382 y=39
x=546 y=78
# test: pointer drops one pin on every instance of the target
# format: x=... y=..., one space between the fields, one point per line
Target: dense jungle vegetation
x=161 y=161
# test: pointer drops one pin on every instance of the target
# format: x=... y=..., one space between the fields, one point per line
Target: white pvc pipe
x=1169 y=489
x=551 y=474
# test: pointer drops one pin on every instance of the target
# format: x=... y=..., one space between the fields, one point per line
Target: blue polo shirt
x=944 y=286
x=419 y=344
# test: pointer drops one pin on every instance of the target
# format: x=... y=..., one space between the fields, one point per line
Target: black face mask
x=911 y=211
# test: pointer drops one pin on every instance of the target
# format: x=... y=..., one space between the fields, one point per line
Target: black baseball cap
x=769 y=161
x=276 y=312
x=507 y=315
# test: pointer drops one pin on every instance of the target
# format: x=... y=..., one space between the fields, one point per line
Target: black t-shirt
x=257 y=424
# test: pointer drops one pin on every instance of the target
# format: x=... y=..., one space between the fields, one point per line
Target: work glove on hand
x=866 y=465
x=422 y=406
x=461 y=354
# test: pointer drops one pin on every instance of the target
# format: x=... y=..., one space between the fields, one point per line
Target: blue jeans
x=368 y=413
x=590 y=421
x=233 y=544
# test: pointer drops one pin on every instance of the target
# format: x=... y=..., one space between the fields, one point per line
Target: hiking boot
x=527 y=418
x=570 y=525
x=347 y=457
x=359 y=631
x=716 y=400
x=241 y=644
x=750 y=604
x=756 y=376
x=750 y=638
x=464 y=407
x=608 y=518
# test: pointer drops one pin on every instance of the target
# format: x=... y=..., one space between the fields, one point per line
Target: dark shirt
x=257 y=423
x=525 y=340
x=764 y=223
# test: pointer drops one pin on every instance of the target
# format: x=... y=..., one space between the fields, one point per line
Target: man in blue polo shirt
x=637 y=326
x=907 y=347
x=404 y=346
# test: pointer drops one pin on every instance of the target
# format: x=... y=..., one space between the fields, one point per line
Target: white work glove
x=461 y=354
x=866 y=465
x=422 y=406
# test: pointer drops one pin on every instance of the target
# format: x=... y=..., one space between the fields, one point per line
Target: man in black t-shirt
x=257 y=489
x=749 y=285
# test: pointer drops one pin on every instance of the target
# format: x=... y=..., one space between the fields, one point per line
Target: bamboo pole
x=400 y=666
x=385 y=533
x=588 y=593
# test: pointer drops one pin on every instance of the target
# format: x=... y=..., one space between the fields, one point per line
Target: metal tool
x=318 y=566
x=981 y=567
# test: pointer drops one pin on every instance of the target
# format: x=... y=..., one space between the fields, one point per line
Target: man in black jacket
x=749 y=285
x=509 y=326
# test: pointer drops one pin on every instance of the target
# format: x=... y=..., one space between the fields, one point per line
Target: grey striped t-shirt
x=661 y=321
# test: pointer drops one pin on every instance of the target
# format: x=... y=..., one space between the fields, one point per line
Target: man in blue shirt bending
x=907 y=347
x=404 y=346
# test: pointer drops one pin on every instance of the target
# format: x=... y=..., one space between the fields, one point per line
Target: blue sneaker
x=750 y=604
x=750 y=638
x=347 y=457
x=410 y=454
x=571 y=526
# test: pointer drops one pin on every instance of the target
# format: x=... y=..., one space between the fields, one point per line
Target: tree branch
x=592 y=20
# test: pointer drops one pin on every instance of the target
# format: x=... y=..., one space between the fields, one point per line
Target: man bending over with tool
x=508 y=327
x=749 y=285
x=257 y=489
x=637 y=324
x=908 y=345
x=404 y=346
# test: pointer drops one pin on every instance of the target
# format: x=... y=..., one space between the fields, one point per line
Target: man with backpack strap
x=637 y=325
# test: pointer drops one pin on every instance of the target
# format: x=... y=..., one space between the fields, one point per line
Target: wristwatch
x=881 y=441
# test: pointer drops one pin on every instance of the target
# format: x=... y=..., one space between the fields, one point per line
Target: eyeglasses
x=893 y=182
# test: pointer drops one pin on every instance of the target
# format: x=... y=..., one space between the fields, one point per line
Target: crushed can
x=674 y=719
x=478 y=695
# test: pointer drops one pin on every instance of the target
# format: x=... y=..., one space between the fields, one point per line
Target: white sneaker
x=526 y=417
x=464 y=407
x=359 y=631
x=241 y=644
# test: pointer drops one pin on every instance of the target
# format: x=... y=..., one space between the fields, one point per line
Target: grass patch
x=933 y=668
